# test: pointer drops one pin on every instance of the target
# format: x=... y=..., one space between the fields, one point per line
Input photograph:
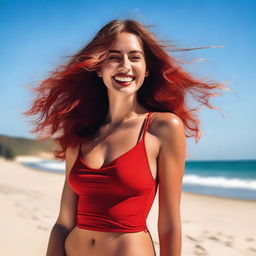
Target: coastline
x=30 y=201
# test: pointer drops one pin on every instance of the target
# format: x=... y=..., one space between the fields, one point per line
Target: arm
x=67 y=214
x=171 y=162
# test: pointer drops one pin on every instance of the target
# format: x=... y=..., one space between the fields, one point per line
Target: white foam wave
x=53 y=166
x=42 y=163
x=220 y=182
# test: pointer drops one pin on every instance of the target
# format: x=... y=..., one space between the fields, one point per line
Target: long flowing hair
x=72 y=103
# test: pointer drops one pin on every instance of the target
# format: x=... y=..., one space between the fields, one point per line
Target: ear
x=99 y=73
x=147 y=73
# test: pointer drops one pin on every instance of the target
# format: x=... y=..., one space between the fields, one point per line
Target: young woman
x=118 y=112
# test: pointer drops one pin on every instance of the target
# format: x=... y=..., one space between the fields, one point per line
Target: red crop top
x=116 y=197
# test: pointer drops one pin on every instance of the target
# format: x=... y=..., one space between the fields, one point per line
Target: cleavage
x=114 y=146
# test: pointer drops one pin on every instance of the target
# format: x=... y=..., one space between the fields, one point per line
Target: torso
x=82 y=242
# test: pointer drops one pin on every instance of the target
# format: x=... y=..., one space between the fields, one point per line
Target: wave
x=43 y=164
x=188 y=179
x=220 y=182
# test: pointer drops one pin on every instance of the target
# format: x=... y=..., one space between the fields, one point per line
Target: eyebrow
x=134 y=51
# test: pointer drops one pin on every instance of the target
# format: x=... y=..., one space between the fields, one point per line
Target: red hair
x=73 y=103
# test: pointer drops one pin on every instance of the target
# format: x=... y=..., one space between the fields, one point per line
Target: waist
x=104 y=242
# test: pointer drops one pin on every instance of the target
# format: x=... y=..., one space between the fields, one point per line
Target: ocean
x=222 y=178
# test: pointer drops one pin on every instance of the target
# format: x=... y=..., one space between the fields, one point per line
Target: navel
x=92 y=242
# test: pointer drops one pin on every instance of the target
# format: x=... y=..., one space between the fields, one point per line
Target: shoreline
x=30 y=201
x=38 y=163
x=185 y=193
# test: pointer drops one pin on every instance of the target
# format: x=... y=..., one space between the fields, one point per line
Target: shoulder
x=70 y=157
x=71 y=152
x=166 y=125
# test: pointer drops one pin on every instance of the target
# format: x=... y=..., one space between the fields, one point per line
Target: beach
x=30 y=201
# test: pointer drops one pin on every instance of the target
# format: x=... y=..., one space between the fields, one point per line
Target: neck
x=124 y=108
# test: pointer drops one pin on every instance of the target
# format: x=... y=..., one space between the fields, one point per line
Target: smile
x=123 y=79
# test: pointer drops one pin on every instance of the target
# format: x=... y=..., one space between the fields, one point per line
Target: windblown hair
x=73 y=102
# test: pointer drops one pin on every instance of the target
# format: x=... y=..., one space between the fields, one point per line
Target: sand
x=30 y=202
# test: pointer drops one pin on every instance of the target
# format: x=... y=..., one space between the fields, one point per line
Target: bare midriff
x=84 y=242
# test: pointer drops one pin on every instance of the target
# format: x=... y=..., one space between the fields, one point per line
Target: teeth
x=123 y=79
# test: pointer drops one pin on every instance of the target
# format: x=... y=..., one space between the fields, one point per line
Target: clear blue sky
x=35 y=35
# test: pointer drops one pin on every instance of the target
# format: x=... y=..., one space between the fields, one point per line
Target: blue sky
x=37 y=35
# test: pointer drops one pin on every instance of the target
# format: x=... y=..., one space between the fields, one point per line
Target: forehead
x=126 y=42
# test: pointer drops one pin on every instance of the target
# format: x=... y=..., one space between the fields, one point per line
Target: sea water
x=223 y=178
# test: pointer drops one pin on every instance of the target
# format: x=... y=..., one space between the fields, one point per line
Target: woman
x=119 y=111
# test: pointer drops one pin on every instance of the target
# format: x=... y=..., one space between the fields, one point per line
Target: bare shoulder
x=71 y=155
x=167 y=125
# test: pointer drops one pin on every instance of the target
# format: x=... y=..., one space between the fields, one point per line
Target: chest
x=123 y=143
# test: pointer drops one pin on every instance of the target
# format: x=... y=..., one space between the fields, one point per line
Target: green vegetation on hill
x=13 y=146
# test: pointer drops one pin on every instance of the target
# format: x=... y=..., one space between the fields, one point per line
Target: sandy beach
x=30 y=203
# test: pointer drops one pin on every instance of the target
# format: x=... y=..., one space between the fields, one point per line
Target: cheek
x=108 y=68
x=141 y=69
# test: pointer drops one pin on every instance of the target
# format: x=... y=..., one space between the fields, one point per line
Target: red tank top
x=116 y=197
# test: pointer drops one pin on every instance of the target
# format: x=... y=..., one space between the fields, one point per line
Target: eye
x=114 y=57
x=135 y=57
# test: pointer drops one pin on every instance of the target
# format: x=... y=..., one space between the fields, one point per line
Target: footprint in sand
x=26 y=213
x=214 y=238
x=228 y=243
x=17 y=204
x=206 y=231
x=192 y=238
x=34 y=217
x=41 y=227
x=199 y=250
x=252 y=249
x=249 y=239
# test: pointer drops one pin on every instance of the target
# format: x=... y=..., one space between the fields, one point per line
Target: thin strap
x=79 y=153
x=146 y=125
x=142 y=137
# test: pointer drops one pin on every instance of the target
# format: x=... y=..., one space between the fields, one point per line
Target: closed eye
x=135 y=57
x=114 y=57
x=117 y=57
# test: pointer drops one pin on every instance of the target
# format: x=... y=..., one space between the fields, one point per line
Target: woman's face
x=125 y=67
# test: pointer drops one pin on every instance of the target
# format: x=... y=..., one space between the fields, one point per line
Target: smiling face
x=125 y=66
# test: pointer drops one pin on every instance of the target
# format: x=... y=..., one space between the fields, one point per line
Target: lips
x=124 y=83
x=123 y=79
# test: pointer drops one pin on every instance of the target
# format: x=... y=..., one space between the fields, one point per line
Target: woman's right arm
x=66 y=220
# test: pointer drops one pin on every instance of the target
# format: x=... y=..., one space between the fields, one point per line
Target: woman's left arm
x=171 y=165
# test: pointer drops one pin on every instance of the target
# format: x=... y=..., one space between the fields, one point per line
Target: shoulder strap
x=147 y=123
x=79 y=150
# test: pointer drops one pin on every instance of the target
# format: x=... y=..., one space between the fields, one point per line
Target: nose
x=125 y=63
